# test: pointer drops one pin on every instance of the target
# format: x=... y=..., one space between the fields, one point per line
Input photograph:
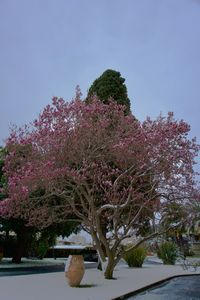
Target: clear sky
x=47 y=47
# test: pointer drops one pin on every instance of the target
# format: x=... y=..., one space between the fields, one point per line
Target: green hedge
x=167 y=251
x=135 y=257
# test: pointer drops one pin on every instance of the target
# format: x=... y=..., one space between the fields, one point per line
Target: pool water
x=179 y=288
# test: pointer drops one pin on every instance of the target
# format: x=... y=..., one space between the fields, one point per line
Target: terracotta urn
x=75 y=271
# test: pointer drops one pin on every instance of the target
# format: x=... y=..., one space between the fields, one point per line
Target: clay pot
x=75 y=271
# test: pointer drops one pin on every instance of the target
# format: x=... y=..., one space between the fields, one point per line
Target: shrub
x=42 y=249
x=167 y=251
x=135 y=257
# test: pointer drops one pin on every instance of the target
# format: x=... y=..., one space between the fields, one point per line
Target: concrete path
x=53 y=286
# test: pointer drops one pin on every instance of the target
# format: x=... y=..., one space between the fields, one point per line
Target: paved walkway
x=53 y=286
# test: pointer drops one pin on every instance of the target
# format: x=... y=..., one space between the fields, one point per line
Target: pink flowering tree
x=93 y=163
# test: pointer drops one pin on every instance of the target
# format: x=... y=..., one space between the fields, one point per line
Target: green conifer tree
x=110 y=85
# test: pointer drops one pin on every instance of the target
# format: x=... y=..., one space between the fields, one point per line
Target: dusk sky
x=49 y=46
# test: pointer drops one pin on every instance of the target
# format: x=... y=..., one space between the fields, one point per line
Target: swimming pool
x=179 y=288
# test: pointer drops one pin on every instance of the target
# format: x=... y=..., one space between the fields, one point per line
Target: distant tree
x=25 y=239
x=110 y=85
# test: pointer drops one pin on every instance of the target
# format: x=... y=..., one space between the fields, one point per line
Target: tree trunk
x=18 y=252
x=109 y=269
x=20 y=245
x=104 y=231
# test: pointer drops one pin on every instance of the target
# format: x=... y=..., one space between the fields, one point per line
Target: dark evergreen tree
x=24 y=241
x=110 y=85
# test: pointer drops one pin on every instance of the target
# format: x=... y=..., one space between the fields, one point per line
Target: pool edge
x=134 y=293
